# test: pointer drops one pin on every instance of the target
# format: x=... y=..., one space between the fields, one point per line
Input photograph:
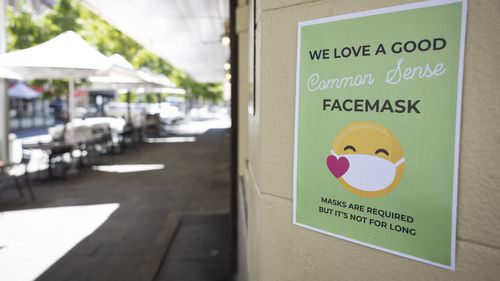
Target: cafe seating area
x=68 y=148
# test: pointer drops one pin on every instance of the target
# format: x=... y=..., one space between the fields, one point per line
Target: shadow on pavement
x=131 y=244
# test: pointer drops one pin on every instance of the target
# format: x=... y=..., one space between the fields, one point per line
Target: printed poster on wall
x=377 y=126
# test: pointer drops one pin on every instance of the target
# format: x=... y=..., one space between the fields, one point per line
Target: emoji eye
x=381 y=150
x=350 y=147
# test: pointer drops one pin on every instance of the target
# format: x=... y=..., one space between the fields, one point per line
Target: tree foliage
x=25 y=29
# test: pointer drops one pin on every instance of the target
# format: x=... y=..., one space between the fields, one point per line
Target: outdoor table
x=53 y=149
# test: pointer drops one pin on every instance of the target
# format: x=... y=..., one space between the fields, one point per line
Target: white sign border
x=431 y=3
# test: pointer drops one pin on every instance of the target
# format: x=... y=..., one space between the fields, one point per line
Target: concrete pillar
x=4 y=97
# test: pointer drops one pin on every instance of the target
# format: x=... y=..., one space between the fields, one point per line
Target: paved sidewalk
x=131 y=243
x=208 y=257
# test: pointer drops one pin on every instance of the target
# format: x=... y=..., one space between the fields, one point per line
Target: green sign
x=377 y=128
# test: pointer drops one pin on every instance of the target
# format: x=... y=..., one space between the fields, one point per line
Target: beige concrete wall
x=244 y=92
x=242 y=25
x=278 y=250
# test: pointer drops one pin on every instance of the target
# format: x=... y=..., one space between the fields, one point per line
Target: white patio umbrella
x=66 y=56
x=119 y=60
x=7 y=74
x=157 y=80
x=21 y=91
x=120 y=75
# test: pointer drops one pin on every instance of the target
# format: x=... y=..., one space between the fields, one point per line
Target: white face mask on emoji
x=368 y=172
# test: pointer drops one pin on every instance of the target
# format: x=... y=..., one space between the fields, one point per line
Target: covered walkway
x=169 y=186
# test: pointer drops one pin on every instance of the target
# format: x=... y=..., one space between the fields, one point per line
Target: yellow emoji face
x=367 y=159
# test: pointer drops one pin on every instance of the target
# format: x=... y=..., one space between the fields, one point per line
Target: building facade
x=271 y=247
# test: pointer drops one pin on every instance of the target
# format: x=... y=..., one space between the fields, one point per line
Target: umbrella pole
x=71 y=98
x=129 y=109
x=70 y=101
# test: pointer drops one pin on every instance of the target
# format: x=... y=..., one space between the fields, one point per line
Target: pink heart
x=337 y=167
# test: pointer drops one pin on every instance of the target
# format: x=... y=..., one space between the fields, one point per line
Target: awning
x=187 y=33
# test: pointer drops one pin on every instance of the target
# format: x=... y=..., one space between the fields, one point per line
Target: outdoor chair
x=39 y=158
x=127 y=136
x=80 y=136
x=107 y=132
x=17 y=167
x=66 y=138
x=73 y=138
x=101 y=142
x=153 y=125
x=60 y=158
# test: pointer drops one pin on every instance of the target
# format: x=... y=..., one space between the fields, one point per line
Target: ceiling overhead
x=187 y=33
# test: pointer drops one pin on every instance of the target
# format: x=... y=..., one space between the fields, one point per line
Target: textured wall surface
x=278 y=250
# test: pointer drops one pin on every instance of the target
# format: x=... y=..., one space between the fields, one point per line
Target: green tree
x=26 y=29
x=66 y=15
x=144 y=58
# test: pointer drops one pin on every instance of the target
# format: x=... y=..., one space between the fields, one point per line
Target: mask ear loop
x=333 y=153
x=400 y=161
